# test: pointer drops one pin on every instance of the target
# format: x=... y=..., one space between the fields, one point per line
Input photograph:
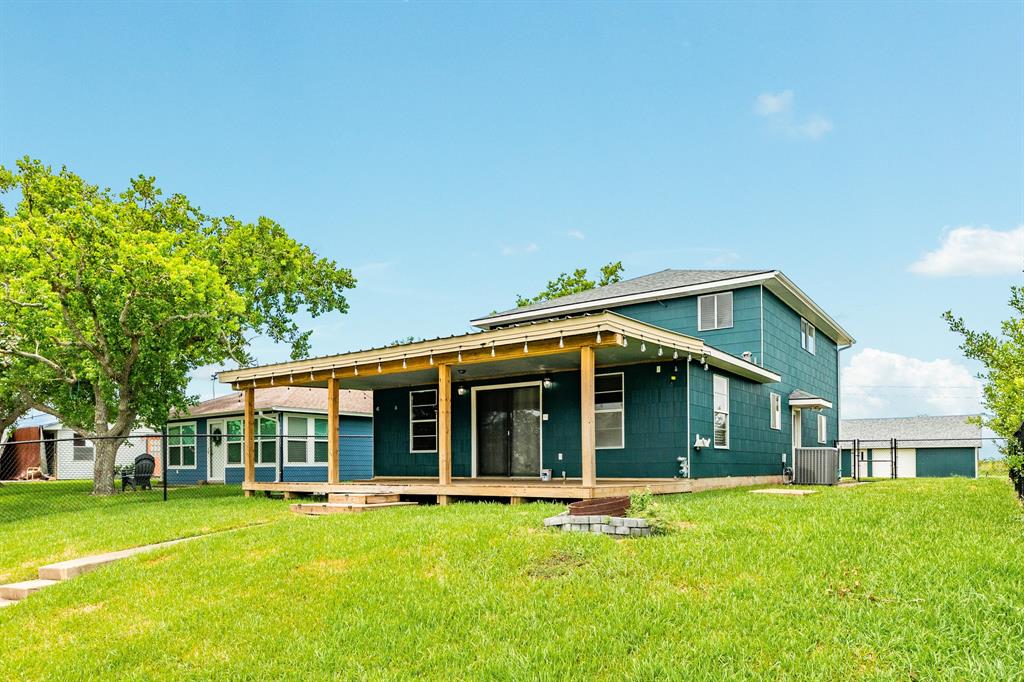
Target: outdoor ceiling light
x=461 y=390
x=547 y=382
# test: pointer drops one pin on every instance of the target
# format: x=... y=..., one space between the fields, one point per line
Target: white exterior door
x=906 y=463
x=217 y=448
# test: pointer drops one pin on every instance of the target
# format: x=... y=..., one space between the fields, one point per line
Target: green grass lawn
x=906 y=579
x=45 y=522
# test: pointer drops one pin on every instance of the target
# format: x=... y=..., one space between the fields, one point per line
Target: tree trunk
x=103 y=465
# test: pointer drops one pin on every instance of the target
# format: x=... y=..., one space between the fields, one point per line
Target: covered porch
x=548 y=369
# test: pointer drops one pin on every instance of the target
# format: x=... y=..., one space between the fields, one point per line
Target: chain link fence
x=175 y=466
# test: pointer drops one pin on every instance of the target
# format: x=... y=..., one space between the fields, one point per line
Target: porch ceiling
x=533 y=348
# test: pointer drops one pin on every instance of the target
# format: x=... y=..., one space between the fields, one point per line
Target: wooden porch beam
x=588 y=466
x=472 y=354
x=333 y=439
x=444 y=424
x=249 y=437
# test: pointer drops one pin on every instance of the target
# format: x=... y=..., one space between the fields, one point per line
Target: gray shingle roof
x=666 y=279
x=914 y=432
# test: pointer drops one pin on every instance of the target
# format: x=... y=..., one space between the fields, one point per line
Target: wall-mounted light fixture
x=461 y=390
x=547 y=382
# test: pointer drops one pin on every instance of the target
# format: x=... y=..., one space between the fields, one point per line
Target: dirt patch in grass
x=560 y=562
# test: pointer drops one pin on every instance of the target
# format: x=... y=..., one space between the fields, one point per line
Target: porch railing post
x=333 y=428
x=588 y=466
x=249 y=436
x=444 y=424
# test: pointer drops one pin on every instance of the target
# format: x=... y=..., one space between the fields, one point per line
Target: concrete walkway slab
x=18 y=591
x=6 y=602
x=64 y=570
x=784 y=491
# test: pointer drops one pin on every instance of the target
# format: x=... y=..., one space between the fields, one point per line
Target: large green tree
x=108 y=301
x=1003 y=358
x=573 y=283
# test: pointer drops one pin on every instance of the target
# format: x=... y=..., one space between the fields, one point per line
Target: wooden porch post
x=333 y=439
x=587 y=450
x=444 y=424
x=249 y=437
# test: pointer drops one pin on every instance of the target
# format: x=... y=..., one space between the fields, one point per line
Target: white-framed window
x=423 y=420
x=297 y=440
x=714 y=311
x=721 y=411
x=776 y=406
x=807 y=336
x=609 y=412
x=266 y=444
x=234 y=441
x=181 y=446
x=822 y=429
x=306 y=439
x=320 y=439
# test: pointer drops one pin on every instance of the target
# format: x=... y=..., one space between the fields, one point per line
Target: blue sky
x=456 y=155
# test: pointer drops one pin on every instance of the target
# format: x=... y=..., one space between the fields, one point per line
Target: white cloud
x=519 y=250
x=975 y=251
x=770 y=103
x=576 y=234
x=881 y=384
x=778 y=108
x=813 y=128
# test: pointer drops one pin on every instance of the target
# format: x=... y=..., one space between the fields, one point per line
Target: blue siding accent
x=192 y=476
x=355 y=458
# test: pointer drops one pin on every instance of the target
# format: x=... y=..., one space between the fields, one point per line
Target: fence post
x=163 y=459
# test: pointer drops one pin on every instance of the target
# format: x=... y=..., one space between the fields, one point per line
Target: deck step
x=362 y=498
x=324 y=508
x=18 y=591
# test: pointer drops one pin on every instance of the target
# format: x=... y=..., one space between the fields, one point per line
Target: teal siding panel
x=945 y=462
x=680 y=315
x=654 y=418
x=815 y=373
x=755 y=449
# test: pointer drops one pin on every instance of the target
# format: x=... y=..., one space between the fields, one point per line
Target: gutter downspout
x=839 y=402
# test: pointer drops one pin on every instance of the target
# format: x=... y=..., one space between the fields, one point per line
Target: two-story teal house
x=675 y=381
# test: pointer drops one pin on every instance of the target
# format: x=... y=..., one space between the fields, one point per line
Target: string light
x=675 y=355
x=403 y=362
x=625 y=341
x=333 y=376
x=526 y=346
x=355 y=369
x=460 y=355
x=561 y=341
x=660 y=352
x=431 y=357
x=271 y=381
x=379 y=369
x=643 y=346
x=599 y=336
x=291 y=379
x=492 y=349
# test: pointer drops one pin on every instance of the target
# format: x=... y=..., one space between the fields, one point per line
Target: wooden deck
x=515 y=489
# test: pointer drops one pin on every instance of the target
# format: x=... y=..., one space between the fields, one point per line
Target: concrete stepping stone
x=18 y=591
x=6 y=602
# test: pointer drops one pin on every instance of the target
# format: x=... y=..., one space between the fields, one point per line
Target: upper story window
x=822 y=429
x=776 y=405
x=423 y=421
x=807 y=336
x=714 y=311
x=721 y=412
x=608 y=411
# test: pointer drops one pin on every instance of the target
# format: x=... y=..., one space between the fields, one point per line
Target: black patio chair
x=141 y=476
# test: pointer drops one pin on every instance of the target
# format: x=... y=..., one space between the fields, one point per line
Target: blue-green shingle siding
x=680 y=315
